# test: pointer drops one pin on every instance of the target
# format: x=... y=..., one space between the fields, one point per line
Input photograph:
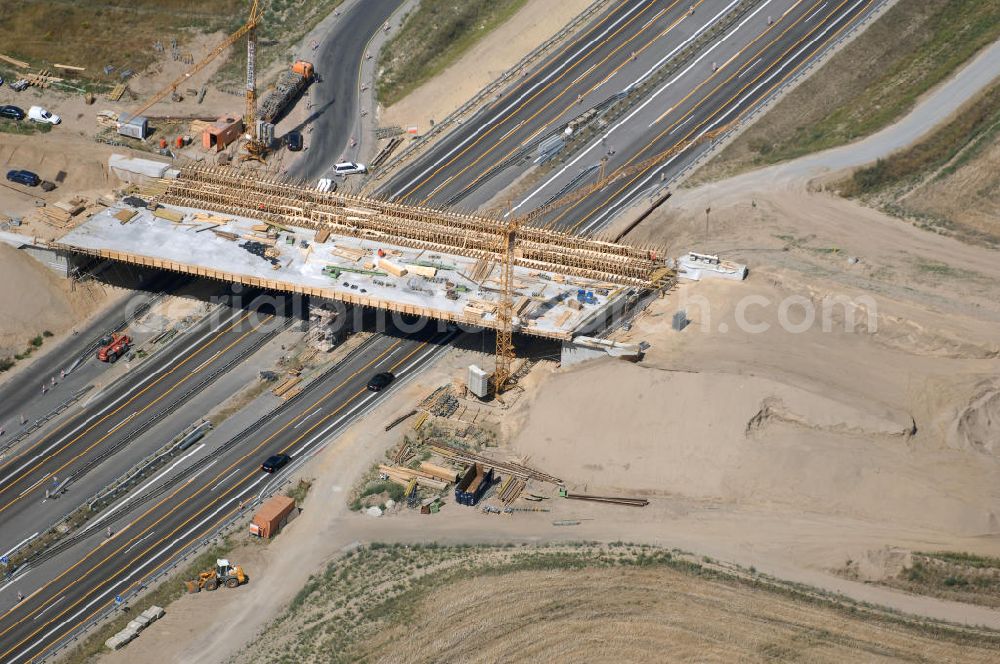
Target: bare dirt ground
x=34 y=300
x=537 y=21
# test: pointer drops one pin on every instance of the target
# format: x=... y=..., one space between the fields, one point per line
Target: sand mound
x=616 y=427
x=33 y=299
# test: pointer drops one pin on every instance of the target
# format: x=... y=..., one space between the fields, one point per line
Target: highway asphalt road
x=660 y=141
x=151 y=528
x=100 y=437
x=21 y=395
x=729 y=72
x=333 y=116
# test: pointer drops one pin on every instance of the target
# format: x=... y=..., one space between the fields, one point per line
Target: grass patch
x=285 y=23
x=433 y=37
x=6 y=363
x=868 y=85
x=24 y=127
x=971 y=130
x=299 y=492
x=162 y=596
x=113 y=32
x=960 y=577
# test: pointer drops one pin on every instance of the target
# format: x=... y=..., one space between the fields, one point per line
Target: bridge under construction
x=231 y=225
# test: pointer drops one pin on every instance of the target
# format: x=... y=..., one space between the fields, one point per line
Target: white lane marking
x=225 y=479
x=123 y=422
x=733 y=107
x=18 y=545
x=49 y=607
x=136 y=543
x=810 y=17
x=207 y=362
x=787 y=62
x=16 y=578
x=111 y=590
x=306 y=418
x=680 y=125
x=138 y=492
x=570 y=60
x=180 y=353
x=697 y=33
x=434 y=352
x=747 y=70
x=40 y=480
x=599 y=141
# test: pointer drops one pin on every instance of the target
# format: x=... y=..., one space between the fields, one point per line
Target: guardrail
x=764 y=104
x=225 y=527
x=473 y=104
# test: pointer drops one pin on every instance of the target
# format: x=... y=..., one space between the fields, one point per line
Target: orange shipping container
x=271 y=516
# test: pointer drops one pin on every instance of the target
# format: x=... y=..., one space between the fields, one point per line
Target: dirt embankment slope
x=34 y=300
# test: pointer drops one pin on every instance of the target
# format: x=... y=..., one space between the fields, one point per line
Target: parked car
x=19 y=85
x=11 y=112
x=326 y=185
x=39 y=114
x=275 y=462
x=1 y=81
x=349 y=168
x=27 y=178
x=380 y=381
x=294 y=140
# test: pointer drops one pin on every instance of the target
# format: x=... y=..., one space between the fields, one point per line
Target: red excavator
x=113 y=347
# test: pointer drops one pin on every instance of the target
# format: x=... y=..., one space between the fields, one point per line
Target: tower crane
x=255 y=147
x=249 y=28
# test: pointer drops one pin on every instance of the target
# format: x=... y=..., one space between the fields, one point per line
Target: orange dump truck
x=271 y=516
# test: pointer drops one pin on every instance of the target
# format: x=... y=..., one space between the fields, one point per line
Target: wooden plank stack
x=511 y=468
x=353 y=254
x=402 y=476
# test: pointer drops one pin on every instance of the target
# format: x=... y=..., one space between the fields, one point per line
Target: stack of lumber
x=353 y=254
x=392 y=268
x=322 y=235
x=402 y=476
x=288 y=389
x=73 y=206
x=511 y=489
x=54 y=216
x=169 y=215
x=117 y=92
x=211 y=218
x=226 y=235
x=421 y=270
x=440 y=472
x=125 y=216
x=481 y=270
x=479 y=308
x=69 y=67
x=153 y=189
x=509 y=467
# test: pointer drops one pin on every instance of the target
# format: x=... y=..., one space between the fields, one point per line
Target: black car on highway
x=12 y=112
x=27 y=178
x=275 y=462
x=380 y=381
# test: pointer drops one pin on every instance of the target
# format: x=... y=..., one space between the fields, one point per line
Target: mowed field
x=595 y=604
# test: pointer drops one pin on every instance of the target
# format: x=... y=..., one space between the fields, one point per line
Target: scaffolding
x=244 y=193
